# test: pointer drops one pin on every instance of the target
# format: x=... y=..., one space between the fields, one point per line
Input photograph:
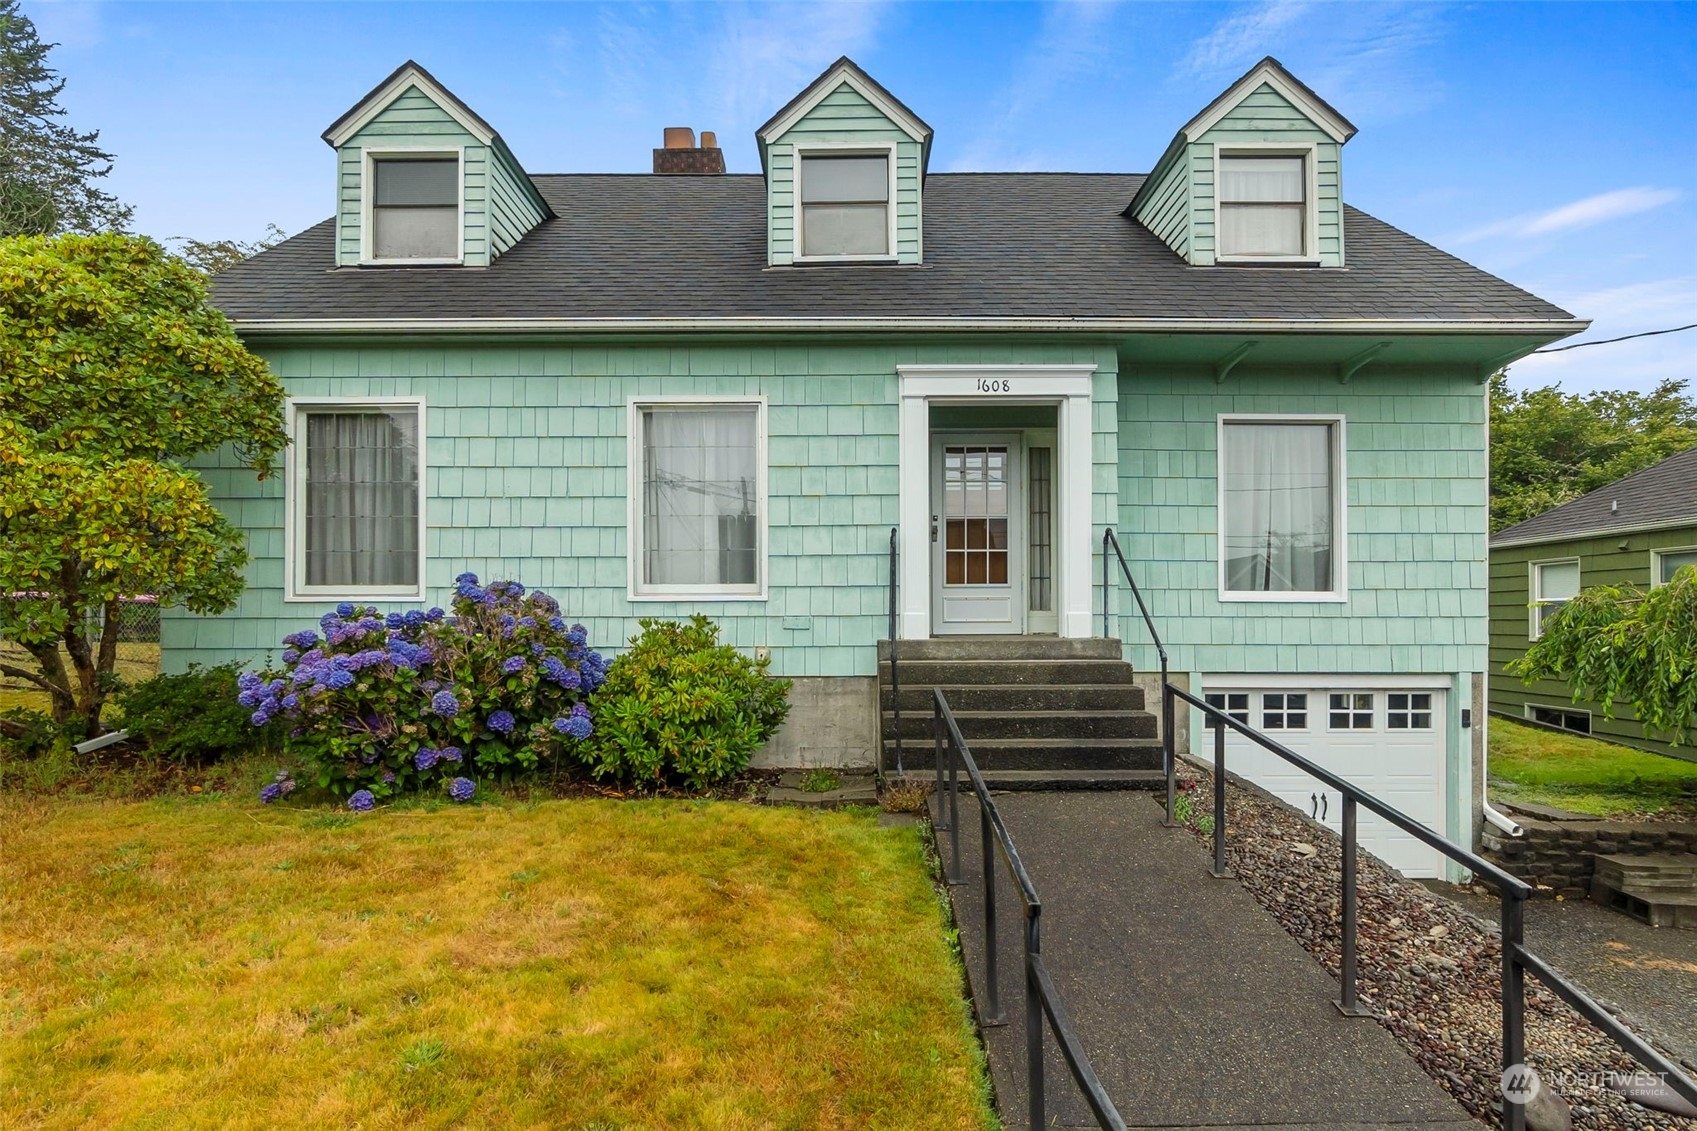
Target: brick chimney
x=682 y=157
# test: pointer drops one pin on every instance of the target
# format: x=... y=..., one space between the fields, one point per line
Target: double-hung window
x=1263 y=206
x=845 y=205
x=355 y=507
x=414 y=208
x=1281 y=509
x=1553 y=584
x=698 y=491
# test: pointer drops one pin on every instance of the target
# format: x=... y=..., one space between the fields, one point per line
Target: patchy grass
x=1587 y=775
x=564 y=964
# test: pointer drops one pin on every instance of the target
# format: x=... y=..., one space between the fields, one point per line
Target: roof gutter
x=1553 y=329
x=1599 y=532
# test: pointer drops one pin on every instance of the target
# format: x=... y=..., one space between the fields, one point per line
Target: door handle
x=1313 y=806
x=933 y=528
x=1325 y=806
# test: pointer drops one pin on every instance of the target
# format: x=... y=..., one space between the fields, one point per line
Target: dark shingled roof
x=997 y=245
x=1663 y=494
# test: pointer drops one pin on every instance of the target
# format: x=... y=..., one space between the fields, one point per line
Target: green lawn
x=1585 y=775
x=567 y=964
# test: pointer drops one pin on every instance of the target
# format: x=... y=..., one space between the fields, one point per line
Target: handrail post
x=993 y=1013
x=1168 y=749
x=954 y=807
x=1220 y=799
x=895 y=676
x=937 y=761
x=1033 y=1023
x=1514 y=1000
x=1106 y=534
x=1347 y=1005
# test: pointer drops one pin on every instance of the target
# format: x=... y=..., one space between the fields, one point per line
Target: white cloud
x=1240 y=40
x=1614 y=312
x=1578 y=214
x=761 y=55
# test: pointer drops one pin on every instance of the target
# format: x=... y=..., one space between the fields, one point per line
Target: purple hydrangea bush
x=378 y=705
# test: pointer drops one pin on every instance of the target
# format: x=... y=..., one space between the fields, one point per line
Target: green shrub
x=680 y=706
x=36 y=733
x=191 y=718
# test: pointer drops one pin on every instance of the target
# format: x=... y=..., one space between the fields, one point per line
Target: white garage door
x=1388 y=741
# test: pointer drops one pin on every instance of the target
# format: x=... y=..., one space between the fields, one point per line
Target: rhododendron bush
x=377 y=705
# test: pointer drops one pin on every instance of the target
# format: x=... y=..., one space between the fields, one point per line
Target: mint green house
x=766 y=396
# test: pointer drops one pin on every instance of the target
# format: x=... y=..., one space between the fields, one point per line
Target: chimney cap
x=679 y=137
x=709 y=139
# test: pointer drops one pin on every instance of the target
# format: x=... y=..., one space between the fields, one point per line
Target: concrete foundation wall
x=833 y=721
x=1150 y=682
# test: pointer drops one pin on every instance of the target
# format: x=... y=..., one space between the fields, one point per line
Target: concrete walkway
x=1194 y=1006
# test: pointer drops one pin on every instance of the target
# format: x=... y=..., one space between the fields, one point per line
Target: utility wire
x=1623 y=338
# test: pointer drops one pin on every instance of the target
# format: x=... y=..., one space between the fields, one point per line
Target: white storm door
x=977 y=531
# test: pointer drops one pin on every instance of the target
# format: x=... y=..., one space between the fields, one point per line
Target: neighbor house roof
x=1663 y=494
x=1043 y=248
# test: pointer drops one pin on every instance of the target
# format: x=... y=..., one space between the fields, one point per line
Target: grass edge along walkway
x=563 y=964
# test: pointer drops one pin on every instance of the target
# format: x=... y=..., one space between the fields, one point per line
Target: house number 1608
x=986 y=385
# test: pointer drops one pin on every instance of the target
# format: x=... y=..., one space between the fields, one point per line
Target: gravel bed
x=1428 y=968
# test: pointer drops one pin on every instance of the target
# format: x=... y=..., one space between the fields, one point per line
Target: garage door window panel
x=1234 y=703
x=1284 y=710
x=1350 y=710
x=1408 y=710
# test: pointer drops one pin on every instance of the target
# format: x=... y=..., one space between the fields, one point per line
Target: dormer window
x=413 y=207
x=845 y=205
x=1263 y=205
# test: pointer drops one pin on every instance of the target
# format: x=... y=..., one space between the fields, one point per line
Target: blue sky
x=1552 y=144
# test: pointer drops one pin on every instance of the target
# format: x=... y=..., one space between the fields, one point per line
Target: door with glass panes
x=977 y=534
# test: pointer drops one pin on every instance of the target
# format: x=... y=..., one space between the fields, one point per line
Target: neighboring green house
x=1636 y=531
x=654 y=395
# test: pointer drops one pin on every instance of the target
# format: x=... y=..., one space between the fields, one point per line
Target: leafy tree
x=209 y=257
x=47 y=169
x=113 y=371
x=1617 y=643
x=1548 y=447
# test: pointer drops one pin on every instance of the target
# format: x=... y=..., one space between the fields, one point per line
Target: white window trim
x=634 y=589
x=1340 y=505
x=1656 y=561
x=1533 y=629
x=1309 y=151
x=294 y=504
x=1531 y=714
x=369 y=157
x=841 y=149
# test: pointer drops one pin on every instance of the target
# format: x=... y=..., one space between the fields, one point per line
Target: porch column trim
x=1066 y=386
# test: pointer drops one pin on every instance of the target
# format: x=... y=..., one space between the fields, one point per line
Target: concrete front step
x=1055 y=725
x=1042 y=754
x=1001 y=648
x=1020 y=697
x=1032 y=781
x=945 y=673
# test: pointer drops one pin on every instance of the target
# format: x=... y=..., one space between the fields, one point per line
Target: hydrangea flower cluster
x=379 y=703
x=361 y=800
x=279 y=787
x=461 y=789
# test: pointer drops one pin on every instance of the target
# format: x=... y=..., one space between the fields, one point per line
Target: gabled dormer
x=422 y=180
x=1255 y=178
x=845 y=174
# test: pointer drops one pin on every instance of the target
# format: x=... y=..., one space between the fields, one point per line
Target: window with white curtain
x=1280 y=503
x=699 y=486
x=1263 y=205
x=845 y=205
x=415 y=207
x=356 y=510
x=1553 y=585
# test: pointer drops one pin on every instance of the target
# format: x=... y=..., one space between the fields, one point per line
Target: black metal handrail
x=1042 y=999
x=1512 y=894
x=1110 y=541
x=895 y=674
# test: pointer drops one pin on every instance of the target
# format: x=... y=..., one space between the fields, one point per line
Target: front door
x=977 y=535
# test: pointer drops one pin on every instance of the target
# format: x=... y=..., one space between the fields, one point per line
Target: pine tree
x=47 y=169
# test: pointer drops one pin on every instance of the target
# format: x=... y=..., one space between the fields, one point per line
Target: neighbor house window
x=1281 y=504
x=845 y=206
x=1263 y=205
x=357 y=507
x=1563 y=718
x=1670 y=562
x=415 y=208
x=700 y=496
x=1553 y=584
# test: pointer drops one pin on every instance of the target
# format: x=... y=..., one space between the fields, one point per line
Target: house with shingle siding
x=797 y=399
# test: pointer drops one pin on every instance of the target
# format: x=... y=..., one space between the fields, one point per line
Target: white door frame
x=1018 y=537
x=1068 y=387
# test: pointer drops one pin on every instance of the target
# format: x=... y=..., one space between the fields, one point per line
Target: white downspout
x=1491 y=815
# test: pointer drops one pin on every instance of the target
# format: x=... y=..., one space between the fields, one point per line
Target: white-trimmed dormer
x=1254 y=179
x=422 y=180
x=845 y=174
